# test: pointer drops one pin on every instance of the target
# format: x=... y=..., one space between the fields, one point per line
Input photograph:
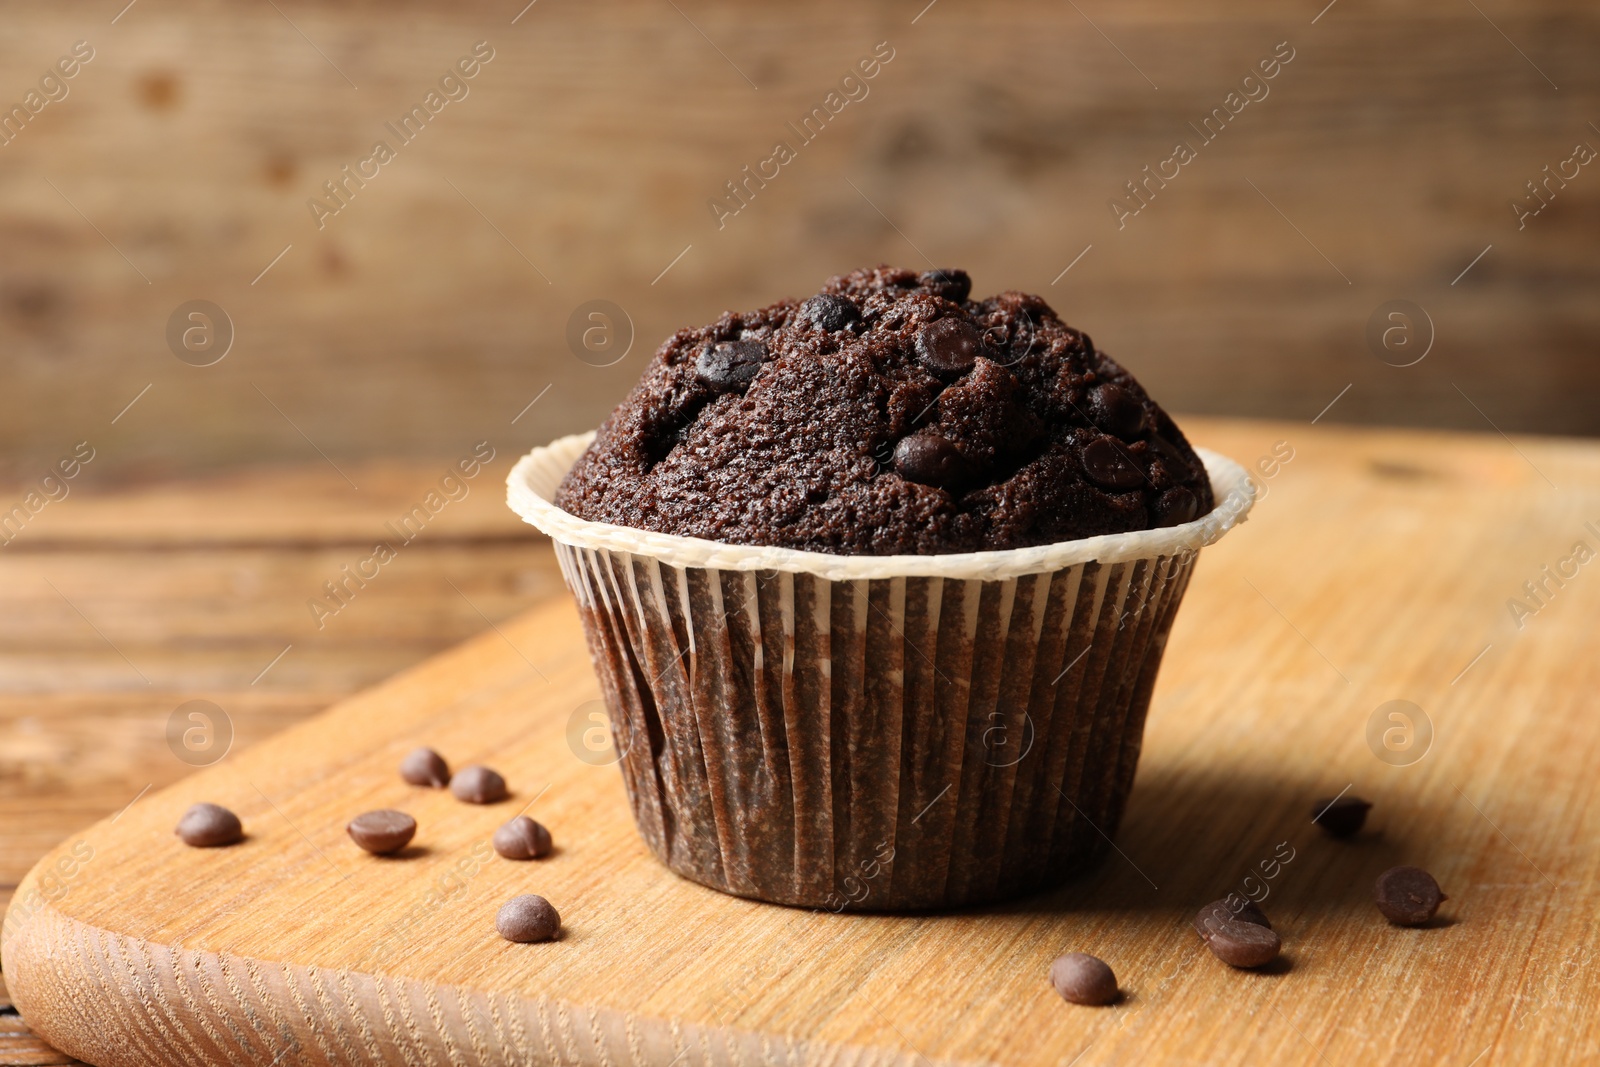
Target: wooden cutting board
x=1378 y=568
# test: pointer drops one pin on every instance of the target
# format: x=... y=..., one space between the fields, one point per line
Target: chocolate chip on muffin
x=730 y=364
x=954 y=285
x=829 y=311
x=888 y=414
x=928 y=459
x=1175 y=507
x=949 y=346
x=1116 y=411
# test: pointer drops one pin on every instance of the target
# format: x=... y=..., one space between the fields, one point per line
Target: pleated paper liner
x=875 y=733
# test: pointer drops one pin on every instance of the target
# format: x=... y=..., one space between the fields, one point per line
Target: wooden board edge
x=115 y=1000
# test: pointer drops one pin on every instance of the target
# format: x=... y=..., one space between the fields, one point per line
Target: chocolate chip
x=1220 y=911
x=1107 y=464
x=949 y=346
x=951 y=283
x=424 y=766
x=1117 y=411
x=1083 y=979
x=209 y=826
x=382 y=832
x=1340 y=816
x=1243 y=944
x=1169 y=452
x=929 y=459
x=826 y=311
x=478 y=785
x=1175 y=507
x=730 y=365
x=522 y=839
x=1407 y=896
x=527 y=918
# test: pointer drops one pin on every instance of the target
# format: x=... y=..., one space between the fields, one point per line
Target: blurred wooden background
x=434 y=307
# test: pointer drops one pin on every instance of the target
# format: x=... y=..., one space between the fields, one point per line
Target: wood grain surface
x=432 y=308
x=200 y=584
x=1378 y=567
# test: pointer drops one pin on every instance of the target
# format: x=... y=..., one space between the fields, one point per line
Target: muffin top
x=888 y=414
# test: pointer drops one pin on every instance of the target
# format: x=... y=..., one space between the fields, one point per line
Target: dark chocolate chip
x=1243 y=944
x=1083 y=979
x=382 y=832
x=730 y=365
x=1407 y=896
x=478 y=785
x=424 y=766
x=949 y=346
x=527 y=918
x=930 y=459
x=1117 y=411
x=1168 y=452
x=826 y=311
x=209 y=826
x=1107 y=464
x=1175 y=507
x=1340 y=816
x=951 y=283
x=522 y=839
x=1220 y=911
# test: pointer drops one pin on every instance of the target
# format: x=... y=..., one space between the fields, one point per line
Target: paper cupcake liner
x=874 y=733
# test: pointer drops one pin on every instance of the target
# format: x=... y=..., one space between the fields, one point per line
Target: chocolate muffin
x=834 y=563
x=889 y=414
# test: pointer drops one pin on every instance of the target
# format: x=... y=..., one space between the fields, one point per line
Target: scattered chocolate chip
x=1175 y=507
x=1107 y=464
x=1221 y=911
x=424 y=766
x=1083 y=979
x=382 y=832
x=951 y=283
x=522 y=839
x=1117 y=411
x=527 y=918
x=929 y=459
x=826 y=311
x=1340 y=816
x=949 y=346
x=1243 y=944
x=730 y=365
x=1407 y=896
x=478 y=785
x=209 y=826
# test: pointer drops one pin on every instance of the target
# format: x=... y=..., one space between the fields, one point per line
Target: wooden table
x=131 y=604
x=435 y=306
